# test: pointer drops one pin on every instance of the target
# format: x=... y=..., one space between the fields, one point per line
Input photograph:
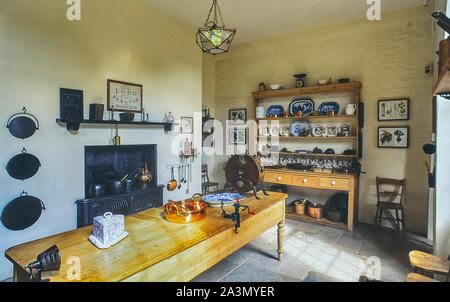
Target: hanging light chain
x=215 y=6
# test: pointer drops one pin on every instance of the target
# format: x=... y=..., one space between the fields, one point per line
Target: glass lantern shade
x=215 y=40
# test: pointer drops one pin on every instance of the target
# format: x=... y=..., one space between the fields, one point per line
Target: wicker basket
x=299 y=208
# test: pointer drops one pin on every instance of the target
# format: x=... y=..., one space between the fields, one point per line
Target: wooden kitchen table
x=156 y=250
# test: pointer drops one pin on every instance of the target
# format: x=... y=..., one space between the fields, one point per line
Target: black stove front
x=106 y=164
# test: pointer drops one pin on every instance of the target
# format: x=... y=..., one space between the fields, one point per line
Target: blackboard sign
x=71 y=104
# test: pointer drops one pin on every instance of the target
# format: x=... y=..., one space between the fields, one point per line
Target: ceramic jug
x=351 y=109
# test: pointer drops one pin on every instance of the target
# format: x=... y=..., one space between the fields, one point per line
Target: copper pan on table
x=186 y=211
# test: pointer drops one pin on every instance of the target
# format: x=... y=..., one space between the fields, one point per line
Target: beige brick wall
x=388 y=57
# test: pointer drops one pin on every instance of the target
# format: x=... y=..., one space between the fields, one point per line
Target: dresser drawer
x=278 y=178
x=305 y=181
x=334 y=183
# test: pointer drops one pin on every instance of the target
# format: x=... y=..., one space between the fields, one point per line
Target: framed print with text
x=125 y=97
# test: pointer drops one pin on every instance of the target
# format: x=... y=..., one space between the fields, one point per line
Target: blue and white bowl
x=216 y=200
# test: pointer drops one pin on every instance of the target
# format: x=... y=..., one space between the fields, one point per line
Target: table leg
x=19 y=274
x=280 y=240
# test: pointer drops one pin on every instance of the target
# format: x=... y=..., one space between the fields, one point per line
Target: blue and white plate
x=216 y=200
x=306 y=106
x=277 y=110
x=298 y=126
x=328 y=107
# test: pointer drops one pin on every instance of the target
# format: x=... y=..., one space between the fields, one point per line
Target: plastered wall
x=42 y=51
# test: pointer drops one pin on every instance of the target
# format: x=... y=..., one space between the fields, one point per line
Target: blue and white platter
x=306 y=106
x=277 y=110
x=298 y=126
x=216 y=200
x=324 y=108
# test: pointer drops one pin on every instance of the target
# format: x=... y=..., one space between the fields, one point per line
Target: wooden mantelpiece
x=157 y=250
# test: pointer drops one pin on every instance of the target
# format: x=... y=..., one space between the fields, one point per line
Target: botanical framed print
x=187 y=125
x=393 y=137
x=238 y=136
x=238 y=116
x=125 y=97
x=393 y=110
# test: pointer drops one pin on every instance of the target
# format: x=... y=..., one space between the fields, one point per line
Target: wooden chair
x=206 y=183
x=413 y=277
x=387 y=200
x=423 y=262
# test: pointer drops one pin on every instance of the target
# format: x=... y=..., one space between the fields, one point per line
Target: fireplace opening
x=106 y=165
x=105 y=168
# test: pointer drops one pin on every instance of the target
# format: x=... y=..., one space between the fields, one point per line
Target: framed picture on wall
x=187 y=125
x=125 y=97
x=393 y=110
x=393 y=137
x=238 y=136
x=238 y=116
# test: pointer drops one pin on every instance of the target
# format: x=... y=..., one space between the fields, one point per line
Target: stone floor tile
x=327 y=238
x=240 y=256
x=291 y=265
x=308 y=228
x=349 y=243
x=249 y=272
x=217 y=272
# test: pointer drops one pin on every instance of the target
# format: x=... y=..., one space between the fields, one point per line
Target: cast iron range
x=236 y=216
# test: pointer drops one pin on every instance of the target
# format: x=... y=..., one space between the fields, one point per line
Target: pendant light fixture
x=214 y=38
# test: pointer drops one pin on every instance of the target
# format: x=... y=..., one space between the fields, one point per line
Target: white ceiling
x=256 y=19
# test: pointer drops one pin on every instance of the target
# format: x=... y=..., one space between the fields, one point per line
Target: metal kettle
x=144 y=176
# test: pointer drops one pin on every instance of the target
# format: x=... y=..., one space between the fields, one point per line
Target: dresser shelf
x=322 y=221
x=341 y=138
x=315 y=155
x=291 y=118
x=356 y=87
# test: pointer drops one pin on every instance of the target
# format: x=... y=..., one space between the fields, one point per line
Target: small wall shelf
x=167 y=126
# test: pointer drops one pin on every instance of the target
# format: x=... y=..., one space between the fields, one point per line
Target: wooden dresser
x=325 y=181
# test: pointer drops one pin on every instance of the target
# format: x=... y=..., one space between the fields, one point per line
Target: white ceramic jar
x=260 y=112
x=351 y=109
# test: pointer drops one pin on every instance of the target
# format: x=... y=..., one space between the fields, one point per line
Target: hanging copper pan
x=172 y=184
